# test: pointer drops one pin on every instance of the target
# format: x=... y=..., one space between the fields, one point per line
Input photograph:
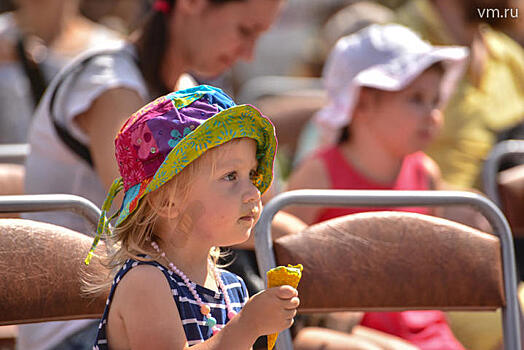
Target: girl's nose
x=436 y=117
x=251 y=193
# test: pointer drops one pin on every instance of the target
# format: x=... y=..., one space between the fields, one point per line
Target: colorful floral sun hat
x=163 y=137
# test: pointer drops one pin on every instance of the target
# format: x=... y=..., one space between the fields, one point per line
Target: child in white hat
x=385 y=89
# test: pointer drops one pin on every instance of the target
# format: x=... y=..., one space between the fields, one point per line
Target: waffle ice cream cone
x=279 y=276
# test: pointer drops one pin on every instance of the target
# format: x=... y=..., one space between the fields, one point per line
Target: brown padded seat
x=511 y=191
x=40 y=269
x=394 y=260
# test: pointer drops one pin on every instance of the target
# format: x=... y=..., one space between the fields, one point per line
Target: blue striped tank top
x=188 y=308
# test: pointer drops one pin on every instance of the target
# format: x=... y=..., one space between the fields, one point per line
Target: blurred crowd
x=288 y=79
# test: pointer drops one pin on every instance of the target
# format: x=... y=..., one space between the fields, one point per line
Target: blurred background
x=38 y=37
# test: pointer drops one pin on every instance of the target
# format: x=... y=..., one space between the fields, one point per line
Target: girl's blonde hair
x=132 y=239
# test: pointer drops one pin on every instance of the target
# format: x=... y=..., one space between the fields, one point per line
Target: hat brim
x=382 y=78
x=235 y=122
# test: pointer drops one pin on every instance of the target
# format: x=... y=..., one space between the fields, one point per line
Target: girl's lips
x=252 y=215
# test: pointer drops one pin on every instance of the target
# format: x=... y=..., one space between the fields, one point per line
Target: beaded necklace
x=204 y=308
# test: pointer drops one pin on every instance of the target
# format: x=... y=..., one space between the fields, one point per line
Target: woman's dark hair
x=151 y=46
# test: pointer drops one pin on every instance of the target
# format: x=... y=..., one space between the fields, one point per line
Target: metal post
x=501 y=151
x=51 y=202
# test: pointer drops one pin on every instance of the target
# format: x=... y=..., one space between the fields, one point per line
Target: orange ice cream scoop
x=279 y=276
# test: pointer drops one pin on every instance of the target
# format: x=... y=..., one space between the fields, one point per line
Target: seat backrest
x=41 y=269
x=394 y=260
x=511 y=190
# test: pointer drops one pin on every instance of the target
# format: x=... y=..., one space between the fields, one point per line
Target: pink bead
x=205 y=309
x=231 y=314
x=215 y=330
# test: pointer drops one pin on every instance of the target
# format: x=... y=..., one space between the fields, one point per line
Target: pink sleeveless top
x=426 y=329
x=343 y=176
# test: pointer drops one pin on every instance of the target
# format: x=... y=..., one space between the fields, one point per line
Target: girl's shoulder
x=143 y=260
x=142 y=272
x=231 y=280
x=420 y=158
x=142 y=285
x=427 y=167
x=312 y=172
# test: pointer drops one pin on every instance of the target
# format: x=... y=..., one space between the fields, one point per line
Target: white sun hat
x=386 y=57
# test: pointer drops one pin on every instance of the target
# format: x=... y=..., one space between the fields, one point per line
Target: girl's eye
x=254 y=175
x=417 y=98
x=232 y=176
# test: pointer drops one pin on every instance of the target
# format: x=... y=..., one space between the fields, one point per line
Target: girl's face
x=406 y=121
x=222 y=34
x=223 y=204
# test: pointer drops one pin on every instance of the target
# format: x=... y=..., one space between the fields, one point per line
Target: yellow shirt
x=476 y=112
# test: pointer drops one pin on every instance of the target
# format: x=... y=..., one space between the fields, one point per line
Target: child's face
x=406 y=121
x=223 y=202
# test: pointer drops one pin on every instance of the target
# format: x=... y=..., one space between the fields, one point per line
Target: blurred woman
x=91 y=98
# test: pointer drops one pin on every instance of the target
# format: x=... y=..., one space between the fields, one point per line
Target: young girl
x=385 y=86
x=193 y=167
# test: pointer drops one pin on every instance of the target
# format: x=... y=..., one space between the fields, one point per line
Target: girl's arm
x=143 y=315
x=311 y=174
x=101 y=122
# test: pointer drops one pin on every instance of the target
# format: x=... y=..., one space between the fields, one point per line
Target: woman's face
x=219 y=35
x=44 y=18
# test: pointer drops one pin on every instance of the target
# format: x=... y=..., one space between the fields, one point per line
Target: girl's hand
x=271 y=310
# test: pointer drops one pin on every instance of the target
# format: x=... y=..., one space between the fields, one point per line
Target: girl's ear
x=364 y=103
x=191 y=7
